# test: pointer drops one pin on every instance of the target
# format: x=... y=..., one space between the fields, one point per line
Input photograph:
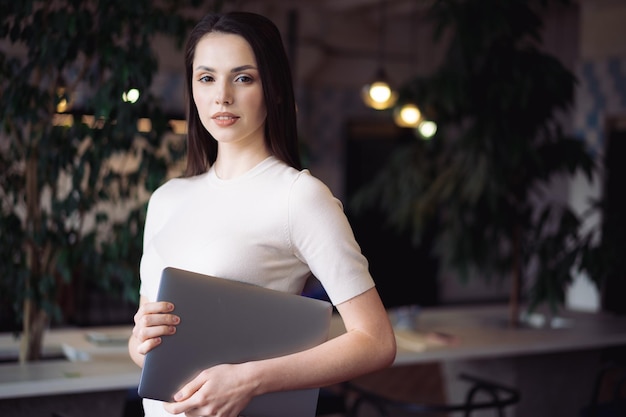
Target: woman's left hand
x=221 y=391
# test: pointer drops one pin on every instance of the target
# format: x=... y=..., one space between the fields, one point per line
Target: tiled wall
x=601 y=94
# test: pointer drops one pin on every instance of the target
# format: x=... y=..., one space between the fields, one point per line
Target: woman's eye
x=243 y=79
x=205 y=79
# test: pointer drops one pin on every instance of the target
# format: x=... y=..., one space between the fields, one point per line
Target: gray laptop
x=225 y=321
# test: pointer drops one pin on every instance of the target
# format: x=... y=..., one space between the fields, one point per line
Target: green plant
x=484 y=178
x=61 y=180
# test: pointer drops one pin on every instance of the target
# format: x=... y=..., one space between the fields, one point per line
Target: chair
x=500 y=397
x=331 y=402
x=608 y=398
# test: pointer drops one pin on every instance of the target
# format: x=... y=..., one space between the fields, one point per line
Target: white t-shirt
x=272 y=226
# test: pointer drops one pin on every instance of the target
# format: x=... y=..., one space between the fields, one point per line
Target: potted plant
x=71 y=150
x=483 y=178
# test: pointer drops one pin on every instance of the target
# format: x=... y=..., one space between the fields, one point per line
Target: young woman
x=245 y=210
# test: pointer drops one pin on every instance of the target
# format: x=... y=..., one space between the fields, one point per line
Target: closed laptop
x=226 y=321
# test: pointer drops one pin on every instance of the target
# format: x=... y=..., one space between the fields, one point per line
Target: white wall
x=601 y=96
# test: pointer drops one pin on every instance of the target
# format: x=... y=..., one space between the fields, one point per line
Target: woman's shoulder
x=306 y=182
x=281 y=170
x=175 y=190
x=178 y=185
x=309 y=191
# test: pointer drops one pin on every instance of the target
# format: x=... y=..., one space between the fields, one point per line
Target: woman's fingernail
x=178 y=396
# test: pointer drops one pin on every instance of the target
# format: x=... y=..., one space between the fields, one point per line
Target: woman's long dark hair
x=281 y=134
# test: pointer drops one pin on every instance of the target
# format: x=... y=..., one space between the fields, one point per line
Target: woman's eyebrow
x=236 y=69
x=243 y=68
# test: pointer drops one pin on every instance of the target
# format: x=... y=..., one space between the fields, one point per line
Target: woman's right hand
x=153 y=320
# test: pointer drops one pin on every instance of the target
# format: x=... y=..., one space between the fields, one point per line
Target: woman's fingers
x=156 y=314
x=149 y=344
x=184 y=401
x=215 y=391
x=153 y=321
x=155 y=308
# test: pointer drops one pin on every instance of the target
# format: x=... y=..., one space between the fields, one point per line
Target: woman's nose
x=223 y=96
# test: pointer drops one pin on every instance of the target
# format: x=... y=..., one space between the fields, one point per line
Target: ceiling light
x=407 y=115
x=427 y=129
x=378 y=94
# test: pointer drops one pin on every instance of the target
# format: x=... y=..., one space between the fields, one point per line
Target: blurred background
x=525 y=102
x=488 y=172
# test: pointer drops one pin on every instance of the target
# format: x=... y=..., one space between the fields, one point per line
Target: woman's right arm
x=152 y=321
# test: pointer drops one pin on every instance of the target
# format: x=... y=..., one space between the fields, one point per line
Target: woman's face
x=227 y=89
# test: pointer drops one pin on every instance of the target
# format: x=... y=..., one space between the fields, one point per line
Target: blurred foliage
x=484 y=179
x=58 y=178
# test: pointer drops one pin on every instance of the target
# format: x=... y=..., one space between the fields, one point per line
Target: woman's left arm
x=367 y=345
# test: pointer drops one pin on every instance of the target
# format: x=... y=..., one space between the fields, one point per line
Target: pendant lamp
x=378 y=94
x=408 y=114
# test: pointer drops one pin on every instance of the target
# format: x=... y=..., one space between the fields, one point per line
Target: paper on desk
x=420 y=341
x=96 y=344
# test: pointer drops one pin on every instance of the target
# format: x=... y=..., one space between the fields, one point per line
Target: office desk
x=94 y=366
x=554 y=368
x=95 y=383
x=485 y=346
x=483 y=332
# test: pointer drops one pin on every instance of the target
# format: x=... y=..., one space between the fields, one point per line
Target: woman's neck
x=231 y=163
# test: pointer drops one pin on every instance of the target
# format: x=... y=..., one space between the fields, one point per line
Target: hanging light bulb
x=379 y=95
x=427 y=129
x=380 y=92
x=408 y=115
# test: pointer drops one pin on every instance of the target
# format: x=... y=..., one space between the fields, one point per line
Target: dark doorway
x=614 y=217
x=405 y=274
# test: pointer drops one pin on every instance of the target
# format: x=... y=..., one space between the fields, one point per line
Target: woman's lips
x=224 y=120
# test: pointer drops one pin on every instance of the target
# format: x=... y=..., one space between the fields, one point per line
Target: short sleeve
x=323 y=238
